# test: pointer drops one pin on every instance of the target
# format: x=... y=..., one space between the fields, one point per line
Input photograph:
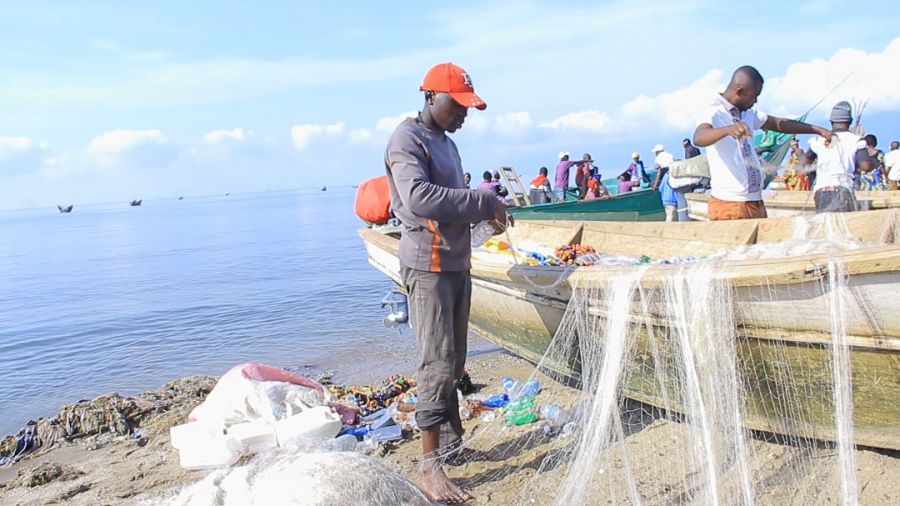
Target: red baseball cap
x=453 y=80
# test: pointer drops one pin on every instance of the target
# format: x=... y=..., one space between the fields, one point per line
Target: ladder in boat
x=515 y=187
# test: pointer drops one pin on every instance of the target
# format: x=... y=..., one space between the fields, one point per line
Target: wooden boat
x=66 y=209
x=640 y=205
x=793 y=203
x=777 y=309
x=136 y=203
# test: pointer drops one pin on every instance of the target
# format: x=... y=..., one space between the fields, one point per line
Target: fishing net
x=693 y=384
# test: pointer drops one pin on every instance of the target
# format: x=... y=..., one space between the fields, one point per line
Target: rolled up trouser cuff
x=431 y=414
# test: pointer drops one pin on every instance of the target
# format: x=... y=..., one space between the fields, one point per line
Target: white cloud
x=677 y=109
x=584 y=120
x=360 y=135
x=235 y=134
x=513 y=123
x=130 y=148
x=117 y=141
x=20 y=155
x=303 y=135
x=871 y=78
x=387 y=124
x=18 y=144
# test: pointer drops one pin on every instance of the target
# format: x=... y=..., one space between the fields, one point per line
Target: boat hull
x=786 y=204
x=641 y=205
x=782 y=329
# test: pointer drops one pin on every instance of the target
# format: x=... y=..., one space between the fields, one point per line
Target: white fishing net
x=693 y=388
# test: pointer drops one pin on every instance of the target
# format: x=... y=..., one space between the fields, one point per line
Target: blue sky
x=109 y=101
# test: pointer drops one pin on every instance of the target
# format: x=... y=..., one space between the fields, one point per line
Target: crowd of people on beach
x=433 y=199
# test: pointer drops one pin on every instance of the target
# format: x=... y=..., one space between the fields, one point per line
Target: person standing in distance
x=428 y=195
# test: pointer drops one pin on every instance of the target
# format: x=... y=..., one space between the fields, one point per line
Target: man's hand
x=739 y=129
x=501 y=220
x=827 y=134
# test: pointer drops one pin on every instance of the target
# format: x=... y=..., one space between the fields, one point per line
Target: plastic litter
x=389 y=433
x=509 y=385
x=318 y=423
x=343 y=443
x=256 y=436
x=481 y=233
x=204 y=446
x=496 y=401
x=520 y=418
x=368 y=444
x=529 y=389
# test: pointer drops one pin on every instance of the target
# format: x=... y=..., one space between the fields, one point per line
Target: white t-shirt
x=835 y=163
x=664 y=159
x=733 y=175
x=892 y=164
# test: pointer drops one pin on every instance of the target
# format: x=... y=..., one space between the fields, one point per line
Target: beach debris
x=256 y=407
x=45 y=473
x=371 y=398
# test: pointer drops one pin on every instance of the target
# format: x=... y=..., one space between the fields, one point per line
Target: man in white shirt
x=726 y=130
x=892 y=166
x=835 y=163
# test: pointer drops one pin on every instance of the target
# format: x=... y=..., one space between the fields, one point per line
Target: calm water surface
x=112 y=298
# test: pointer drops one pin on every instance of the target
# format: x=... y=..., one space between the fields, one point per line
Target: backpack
x=373 y=200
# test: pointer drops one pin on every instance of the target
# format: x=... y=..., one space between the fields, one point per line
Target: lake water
x=113 y=298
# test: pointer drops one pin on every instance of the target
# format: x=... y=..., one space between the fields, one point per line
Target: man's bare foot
x=438 y=487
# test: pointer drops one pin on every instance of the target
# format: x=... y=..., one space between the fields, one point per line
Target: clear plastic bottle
x=369 y=443
x=343 y=443
x=529 y=389
x=509 y=385
x=488 y=416
x=481 y=233
x=464 y=413
x=553 y=413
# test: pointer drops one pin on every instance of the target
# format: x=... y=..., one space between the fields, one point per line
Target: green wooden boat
x=639 y=205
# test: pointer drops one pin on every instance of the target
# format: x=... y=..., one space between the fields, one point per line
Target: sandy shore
x=117 y=470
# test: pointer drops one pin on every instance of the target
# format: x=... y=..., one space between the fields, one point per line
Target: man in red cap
x=429 y=197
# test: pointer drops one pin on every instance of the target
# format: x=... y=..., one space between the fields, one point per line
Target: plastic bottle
x=569 y=429
x=520 y=418
x=343 y=443
x=488 y=416
x=464 y=413
x=496 y=401
x=369 y=443
x=481 y=233
x=529 y=389
x=520 y=404
x=509 y=385
x=553 y=414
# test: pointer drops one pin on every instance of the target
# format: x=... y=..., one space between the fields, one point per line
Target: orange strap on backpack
x=373 y=200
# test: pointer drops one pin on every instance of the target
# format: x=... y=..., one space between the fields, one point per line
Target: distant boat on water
x=227 y=194
x=136 y=203
x=65 y=210
x=324 y=188
x=181 y=198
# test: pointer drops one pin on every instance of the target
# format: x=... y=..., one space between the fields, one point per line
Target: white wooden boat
x=792 y=203
x=778 y=305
